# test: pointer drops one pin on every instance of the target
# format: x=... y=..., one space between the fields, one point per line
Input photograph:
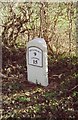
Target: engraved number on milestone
x=35 y=62
x=35 y=53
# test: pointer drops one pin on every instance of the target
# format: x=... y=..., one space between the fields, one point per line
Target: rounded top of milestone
x=40 y=40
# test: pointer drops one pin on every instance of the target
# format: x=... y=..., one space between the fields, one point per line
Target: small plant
x=23 y=99
x=75 y=94
x=75 y=75
x=50 y=94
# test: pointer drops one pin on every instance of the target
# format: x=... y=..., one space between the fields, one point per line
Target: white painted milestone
x=37 y=62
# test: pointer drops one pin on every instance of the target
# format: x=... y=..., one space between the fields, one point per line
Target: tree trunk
x=77 y=28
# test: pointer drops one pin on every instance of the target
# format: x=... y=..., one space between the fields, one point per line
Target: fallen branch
x=73 y=88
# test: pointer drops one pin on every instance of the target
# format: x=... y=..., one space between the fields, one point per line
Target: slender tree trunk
x=0 y=53
x=77 y=28
x=70 y=25
x=41 y=21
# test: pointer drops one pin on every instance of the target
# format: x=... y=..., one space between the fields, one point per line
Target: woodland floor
x=24 y=100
